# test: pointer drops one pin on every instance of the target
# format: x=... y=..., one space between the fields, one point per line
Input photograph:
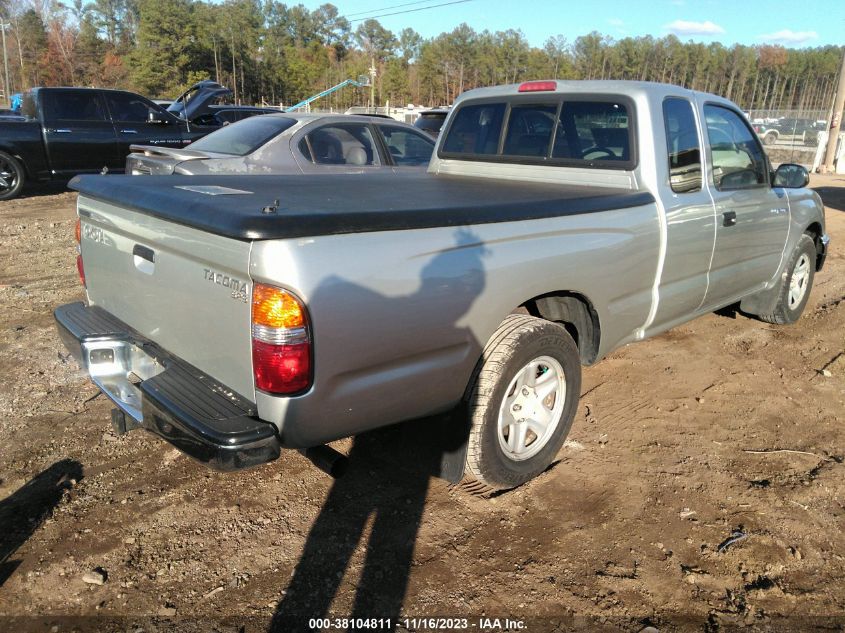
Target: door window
x=683 y=146
x=73 y=105
x=407 y=147
x=343 y=145
x=128 y=108
x=738 y=159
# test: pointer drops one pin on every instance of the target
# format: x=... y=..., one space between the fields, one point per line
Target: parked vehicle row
x=61 y=132
x=234 y=314
x=792 y=130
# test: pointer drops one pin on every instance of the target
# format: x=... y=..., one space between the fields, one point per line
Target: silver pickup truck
x=236 y=315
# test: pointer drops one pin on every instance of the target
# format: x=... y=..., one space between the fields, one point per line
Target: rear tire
x=770 y=138
x=521 y=401
x=796 y=283
x=12 y=176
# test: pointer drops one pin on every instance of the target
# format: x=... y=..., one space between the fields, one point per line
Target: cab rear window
x=555 y=130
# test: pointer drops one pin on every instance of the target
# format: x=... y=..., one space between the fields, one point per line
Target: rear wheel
x=12 y=176
x=521 y=401
x=770 y=138
x=795 y=284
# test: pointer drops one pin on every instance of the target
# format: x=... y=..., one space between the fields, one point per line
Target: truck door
x=690 y=221
x=752 y=219
x=77 y=131
x=130 y=114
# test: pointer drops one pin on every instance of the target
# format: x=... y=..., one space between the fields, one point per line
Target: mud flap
x=762 y=302
x=453 y=435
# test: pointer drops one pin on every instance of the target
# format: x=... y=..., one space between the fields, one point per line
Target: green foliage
x=160 y=61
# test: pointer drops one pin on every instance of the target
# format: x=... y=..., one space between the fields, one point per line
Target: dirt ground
x=724 y=426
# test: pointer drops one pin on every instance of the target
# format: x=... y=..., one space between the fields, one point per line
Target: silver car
x=291 y=144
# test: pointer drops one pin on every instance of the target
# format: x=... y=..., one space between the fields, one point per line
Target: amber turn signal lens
x=78 y=230
x=274 y=307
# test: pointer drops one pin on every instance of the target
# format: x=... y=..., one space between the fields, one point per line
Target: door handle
x=144 y=253
x=144 y=259
x=60 y=130
x=129 y=131
x=729 y=218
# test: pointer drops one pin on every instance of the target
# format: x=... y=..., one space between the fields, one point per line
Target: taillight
x=281 y=341
x=537 y=86
x=80 y=268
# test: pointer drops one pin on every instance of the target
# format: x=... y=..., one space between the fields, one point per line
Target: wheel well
x=815 y=231
x=17 y=157
x=575 y=312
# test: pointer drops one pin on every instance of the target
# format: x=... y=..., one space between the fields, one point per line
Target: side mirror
x=156 y=118
x=791 y=176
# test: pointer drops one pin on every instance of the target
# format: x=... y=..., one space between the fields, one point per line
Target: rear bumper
x=164 y=394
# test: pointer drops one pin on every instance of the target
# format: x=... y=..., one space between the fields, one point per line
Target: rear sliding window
x=579 y=132
x=243 y=137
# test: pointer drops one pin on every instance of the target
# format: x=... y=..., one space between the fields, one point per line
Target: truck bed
x=311 y=205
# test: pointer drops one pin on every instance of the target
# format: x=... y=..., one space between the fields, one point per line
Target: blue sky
x=791 y=23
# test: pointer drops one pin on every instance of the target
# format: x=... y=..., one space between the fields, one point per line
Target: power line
x=395 y=6
x=433 y=6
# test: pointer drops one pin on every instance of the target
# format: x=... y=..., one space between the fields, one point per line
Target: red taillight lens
x=281 y=368
x=281 y=341
x=80 y=268
x=77 y=233
x=537 y=86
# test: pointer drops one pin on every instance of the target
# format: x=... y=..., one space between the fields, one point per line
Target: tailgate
x=183 y=288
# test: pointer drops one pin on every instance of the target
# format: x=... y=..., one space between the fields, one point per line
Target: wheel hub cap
x=798 y=282
x=532 y=408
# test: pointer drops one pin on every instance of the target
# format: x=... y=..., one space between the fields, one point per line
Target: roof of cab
x=633 y=89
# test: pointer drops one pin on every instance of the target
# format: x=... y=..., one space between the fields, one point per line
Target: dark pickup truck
x=67 y=131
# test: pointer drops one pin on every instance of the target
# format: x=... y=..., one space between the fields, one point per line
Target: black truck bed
x=331 y=204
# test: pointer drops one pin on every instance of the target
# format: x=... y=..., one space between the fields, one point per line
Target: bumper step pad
x=181 y=404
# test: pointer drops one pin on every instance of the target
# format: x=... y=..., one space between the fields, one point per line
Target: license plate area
x=117 y=367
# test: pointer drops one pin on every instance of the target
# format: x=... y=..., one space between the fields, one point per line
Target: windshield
x=244 y=137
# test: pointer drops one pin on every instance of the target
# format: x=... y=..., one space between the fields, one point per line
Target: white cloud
x=615 y=22
x=788 y=36
x=687 y=27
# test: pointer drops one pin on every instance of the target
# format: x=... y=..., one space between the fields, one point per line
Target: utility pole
x=373 y=83
x=835 y=122
x=7 y=88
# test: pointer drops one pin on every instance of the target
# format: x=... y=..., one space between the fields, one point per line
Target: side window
x=228 y=116
x=74 y=105
x=683 y=146
x=738 y=160
x=476 y=129
x=343 y=145
x=128 y=108
x=207 y=119
x=406 y=147
x=530 y=130
x=593 y=131
x=306 y=149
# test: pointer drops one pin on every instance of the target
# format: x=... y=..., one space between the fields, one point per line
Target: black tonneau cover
x=329 y=204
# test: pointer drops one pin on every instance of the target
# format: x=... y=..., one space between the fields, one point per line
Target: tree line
x=270 y=52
